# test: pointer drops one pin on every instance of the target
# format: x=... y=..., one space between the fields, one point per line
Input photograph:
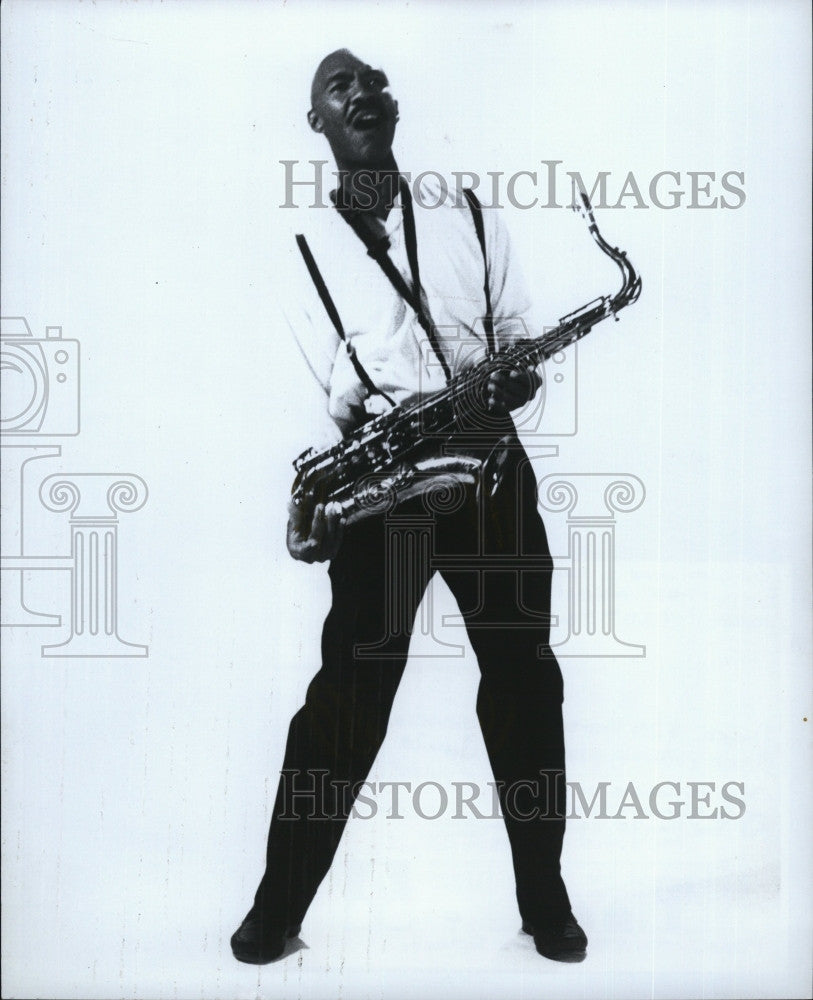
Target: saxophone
x=406 y=451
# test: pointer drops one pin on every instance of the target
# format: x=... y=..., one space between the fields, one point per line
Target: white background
x=141 y=187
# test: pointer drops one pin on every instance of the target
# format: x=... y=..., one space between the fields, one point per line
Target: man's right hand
x=316 y=538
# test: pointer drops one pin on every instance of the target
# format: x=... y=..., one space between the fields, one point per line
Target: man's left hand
x=511 y=388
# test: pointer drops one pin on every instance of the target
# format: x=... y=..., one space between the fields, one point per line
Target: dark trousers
x=493 y=553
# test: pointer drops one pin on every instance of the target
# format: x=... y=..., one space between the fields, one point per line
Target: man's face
x=353 y=108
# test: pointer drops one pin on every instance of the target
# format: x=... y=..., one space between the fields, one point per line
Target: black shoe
x=567 y=943
x=258 y=941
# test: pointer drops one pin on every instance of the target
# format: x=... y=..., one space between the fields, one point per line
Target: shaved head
x=335 y=60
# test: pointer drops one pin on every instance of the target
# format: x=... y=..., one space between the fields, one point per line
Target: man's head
x=352 y=107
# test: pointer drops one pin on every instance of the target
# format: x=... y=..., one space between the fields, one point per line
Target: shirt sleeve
x=304 y=314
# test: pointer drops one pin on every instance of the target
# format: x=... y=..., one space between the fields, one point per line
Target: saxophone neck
x=631 y=281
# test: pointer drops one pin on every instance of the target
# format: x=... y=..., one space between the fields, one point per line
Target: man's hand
x=318 y=538
x=509 y=389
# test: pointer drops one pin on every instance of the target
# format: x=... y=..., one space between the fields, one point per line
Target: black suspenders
x=377 y=249
x=333 y=313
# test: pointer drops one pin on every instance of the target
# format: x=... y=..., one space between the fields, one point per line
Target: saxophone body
x=443 y=439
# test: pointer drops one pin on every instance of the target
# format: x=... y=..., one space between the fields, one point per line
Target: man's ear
x=397 y=116
x=315 y=121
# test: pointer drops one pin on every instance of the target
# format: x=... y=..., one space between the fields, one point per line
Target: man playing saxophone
x=397 y=299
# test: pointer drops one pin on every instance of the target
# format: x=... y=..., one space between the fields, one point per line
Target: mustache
x=365 y=105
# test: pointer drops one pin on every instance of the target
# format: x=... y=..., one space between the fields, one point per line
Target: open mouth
x=365 y=121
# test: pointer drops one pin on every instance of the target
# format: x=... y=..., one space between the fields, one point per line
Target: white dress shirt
x=382 y=328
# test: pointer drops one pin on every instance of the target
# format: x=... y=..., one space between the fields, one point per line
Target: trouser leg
x=334 y=738
x=506 y=605
x=519 y=706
